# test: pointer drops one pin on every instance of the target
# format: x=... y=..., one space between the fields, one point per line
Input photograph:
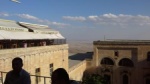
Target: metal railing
x=38 y=79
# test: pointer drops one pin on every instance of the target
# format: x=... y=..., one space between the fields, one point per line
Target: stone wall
x=136 y=52
x=36 y=57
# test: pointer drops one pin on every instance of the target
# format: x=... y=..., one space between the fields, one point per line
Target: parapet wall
x=8 y=53
x=76 y=72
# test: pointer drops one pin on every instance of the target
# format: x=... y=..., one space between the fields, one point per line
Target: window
x=126 y=62
x=116 y=53
x=51 y=69
x=147 y=81
x=125 y=79
x=107 y=61
x=1 y=46
x=37 y=73
x=148 y=56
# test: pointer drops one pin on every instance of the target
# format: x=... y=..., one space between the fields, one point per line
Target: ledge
x=8 y=53
x=123 y=42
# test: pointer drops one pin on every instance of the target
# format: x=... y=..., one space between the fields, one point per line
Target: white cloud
x=80 y=18
x=112 y=19
x=109 y=15
x=30 y=17
x=55 y=23
x=93 y=18
x=4 y=14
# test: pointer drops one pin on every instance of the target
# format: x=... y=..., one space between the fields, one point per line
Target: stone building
x=123 y=61
x=41 y=48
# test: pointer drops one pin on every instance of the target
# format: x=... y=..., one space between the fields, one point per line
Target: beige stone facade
x=76 y=72
x=123 y=62
x=36 y=57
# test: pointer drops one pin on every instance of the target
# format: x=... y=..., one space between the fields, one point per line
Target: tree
x=93 y=79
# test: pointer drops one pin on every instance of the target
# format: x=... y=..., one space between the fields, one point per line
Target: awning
x=27 y=35
x=59 y=36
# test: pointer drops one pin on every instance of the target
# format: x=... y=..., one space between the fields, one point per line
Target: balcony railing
x=34 y=79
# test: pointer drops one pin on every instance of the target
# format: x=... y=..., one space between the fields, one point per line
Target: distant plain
x=79 y=46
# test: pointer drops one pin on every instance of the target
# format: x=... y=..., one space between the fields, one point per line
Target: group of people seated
x=19 y=76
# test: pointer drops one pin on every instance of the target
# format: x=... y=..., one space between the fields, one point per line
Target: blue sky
x=84 y=19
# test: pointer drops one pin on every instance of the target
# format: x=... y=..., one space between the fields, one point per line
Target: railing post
x=2 y=77
x=44 y=80
x=36 y=79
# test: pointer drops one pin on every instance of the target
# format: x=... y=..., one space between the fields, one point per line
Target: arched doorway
x=107 y=71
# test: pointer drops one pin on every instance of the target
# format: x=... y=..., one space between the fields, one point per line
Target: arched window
x=126 y=62
x=125 y=79
x=148 y=56
x=107 y=61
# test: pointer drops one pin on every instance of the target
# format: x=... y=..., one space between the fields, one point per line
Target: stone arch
x=126 y=62
x=107 y=61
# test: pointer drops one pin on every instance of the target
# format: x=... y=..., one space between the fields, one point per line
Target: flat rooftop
x=76 y=58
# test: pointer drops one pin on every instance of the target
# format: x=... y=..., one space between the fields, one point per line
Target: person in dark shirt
x=60 y=76
x=17 y=75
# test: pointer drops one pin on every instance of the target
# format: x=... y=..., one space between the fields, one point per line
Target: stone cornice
x=134 y=42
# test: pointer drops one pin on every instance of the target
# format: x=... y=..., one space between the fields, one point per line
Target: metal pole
x=44 y=80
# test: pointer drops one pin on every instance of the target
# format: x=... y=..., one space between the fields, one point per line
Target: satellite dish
x=16 y=1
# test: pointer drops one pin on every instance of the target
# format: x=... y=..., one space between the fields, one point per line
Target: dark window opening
x=107 y=61
x=116 y=53
x=107 y=78
x=147 y=81
x=126 y=62
x=37 y=73
x=148 y=56
x=51 y=69
x=125 y=79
